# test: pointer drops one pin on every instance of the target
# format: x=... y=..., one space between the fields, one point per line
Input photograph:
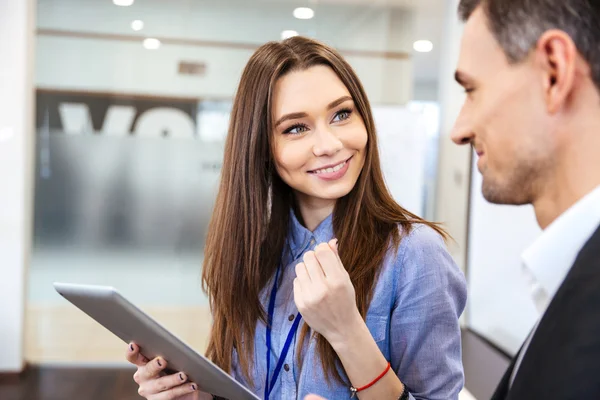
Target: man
x=531 y=70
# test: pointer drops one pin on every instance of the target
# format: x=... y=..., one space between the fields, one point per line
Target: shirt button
x=312 y=242
x=291 y=317
x=286 y=367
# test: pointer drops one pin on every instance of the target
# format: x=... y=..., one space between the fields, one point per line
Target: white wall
x=402 y=138
x=16 y=167
x=452 y=192
x=124 y=66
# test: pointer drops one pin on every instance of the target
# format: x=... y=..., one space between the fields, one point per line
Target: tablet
x=108 y=307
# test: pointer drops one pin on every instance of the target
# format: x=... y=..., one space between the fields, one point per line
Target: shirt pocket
x=379 y=327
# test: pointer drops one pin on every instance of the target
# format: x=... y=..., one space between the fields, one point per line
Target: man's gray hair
x=518 y=24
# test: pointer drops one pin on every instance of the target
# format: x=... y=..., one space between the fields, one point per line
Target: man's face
x=504 y=116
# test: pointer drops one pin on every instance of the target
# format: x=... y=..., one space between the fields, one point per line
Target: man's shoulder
x=589 y=252
x=563 y=358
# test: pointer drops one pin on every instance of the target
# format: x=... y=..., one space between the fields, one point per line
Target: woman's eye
x=342 y=115
x=296 y=129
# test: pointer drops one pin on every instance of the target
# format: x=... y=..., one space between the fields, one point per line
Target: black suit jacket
x=563 y=357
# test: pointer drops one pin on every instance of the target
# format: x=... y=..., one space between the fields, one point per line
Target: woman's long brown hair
x=250 y=220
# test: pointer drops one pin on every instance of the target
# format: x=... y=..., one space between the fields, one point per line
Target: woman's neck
x=313 y=210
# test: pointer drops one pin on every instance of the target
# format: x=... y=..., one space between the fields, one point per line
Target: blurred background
x=113 y=115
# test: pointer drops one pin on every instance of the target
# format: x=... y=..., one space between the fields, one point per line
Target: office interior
x=113 y=115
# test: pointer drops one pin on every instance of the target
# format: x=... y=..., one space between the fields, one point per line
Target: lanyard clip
x=354 y=391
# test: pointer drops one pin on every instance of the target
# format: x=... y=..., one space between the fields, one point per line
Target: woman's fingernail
x=181 y=376
x=131 y=347
x=158 y=361
x=194 y=387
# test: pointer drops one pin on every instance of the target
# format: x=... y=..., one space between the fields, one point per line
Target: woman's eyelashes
x=296 y=129
x=340 y=116
x=343 y=115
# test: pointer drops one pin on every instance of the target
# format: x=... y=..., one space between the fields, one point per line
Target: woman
x=308 y=251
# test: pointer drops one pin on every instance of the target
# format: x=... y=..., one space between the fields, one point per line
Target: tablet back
x=108 y=307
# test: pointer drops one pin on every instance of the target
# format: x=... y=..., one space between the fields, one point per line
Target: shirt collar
x=301 y=238
x=548 y=260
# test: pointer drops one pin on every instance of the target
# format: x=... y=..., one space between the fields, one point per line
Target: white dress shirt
x=547 y=262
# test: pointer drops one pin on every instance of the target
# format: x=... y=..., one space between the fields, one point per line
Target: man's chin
x=505 y=196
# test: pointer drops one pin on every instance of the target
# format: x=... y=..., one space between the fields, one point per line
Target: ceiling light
x=423 y=46
x=288 y=34
x=123 y=3
x=137 y=25
x=304 y=13
x=151 y=43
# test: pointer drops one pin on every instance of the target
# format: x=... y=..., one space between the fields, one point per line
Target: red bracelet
x=360 y=389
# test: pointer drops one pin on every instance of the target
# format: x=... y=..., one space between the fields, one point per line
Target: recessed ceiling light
x=423 y=46
x=137 y=25
x=288 y=34
x=304 y=13
x=151 y=43
x=123 y=3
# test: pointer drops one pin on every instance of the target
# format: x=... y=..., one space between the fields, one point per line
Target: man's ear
x=556 y=56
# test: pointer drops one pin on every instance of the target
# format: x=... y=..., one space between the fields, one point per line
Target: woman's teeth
x=330 y=170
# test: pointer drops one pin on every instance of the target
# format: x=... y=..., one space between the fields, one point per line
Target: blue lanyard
x=286 y=347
